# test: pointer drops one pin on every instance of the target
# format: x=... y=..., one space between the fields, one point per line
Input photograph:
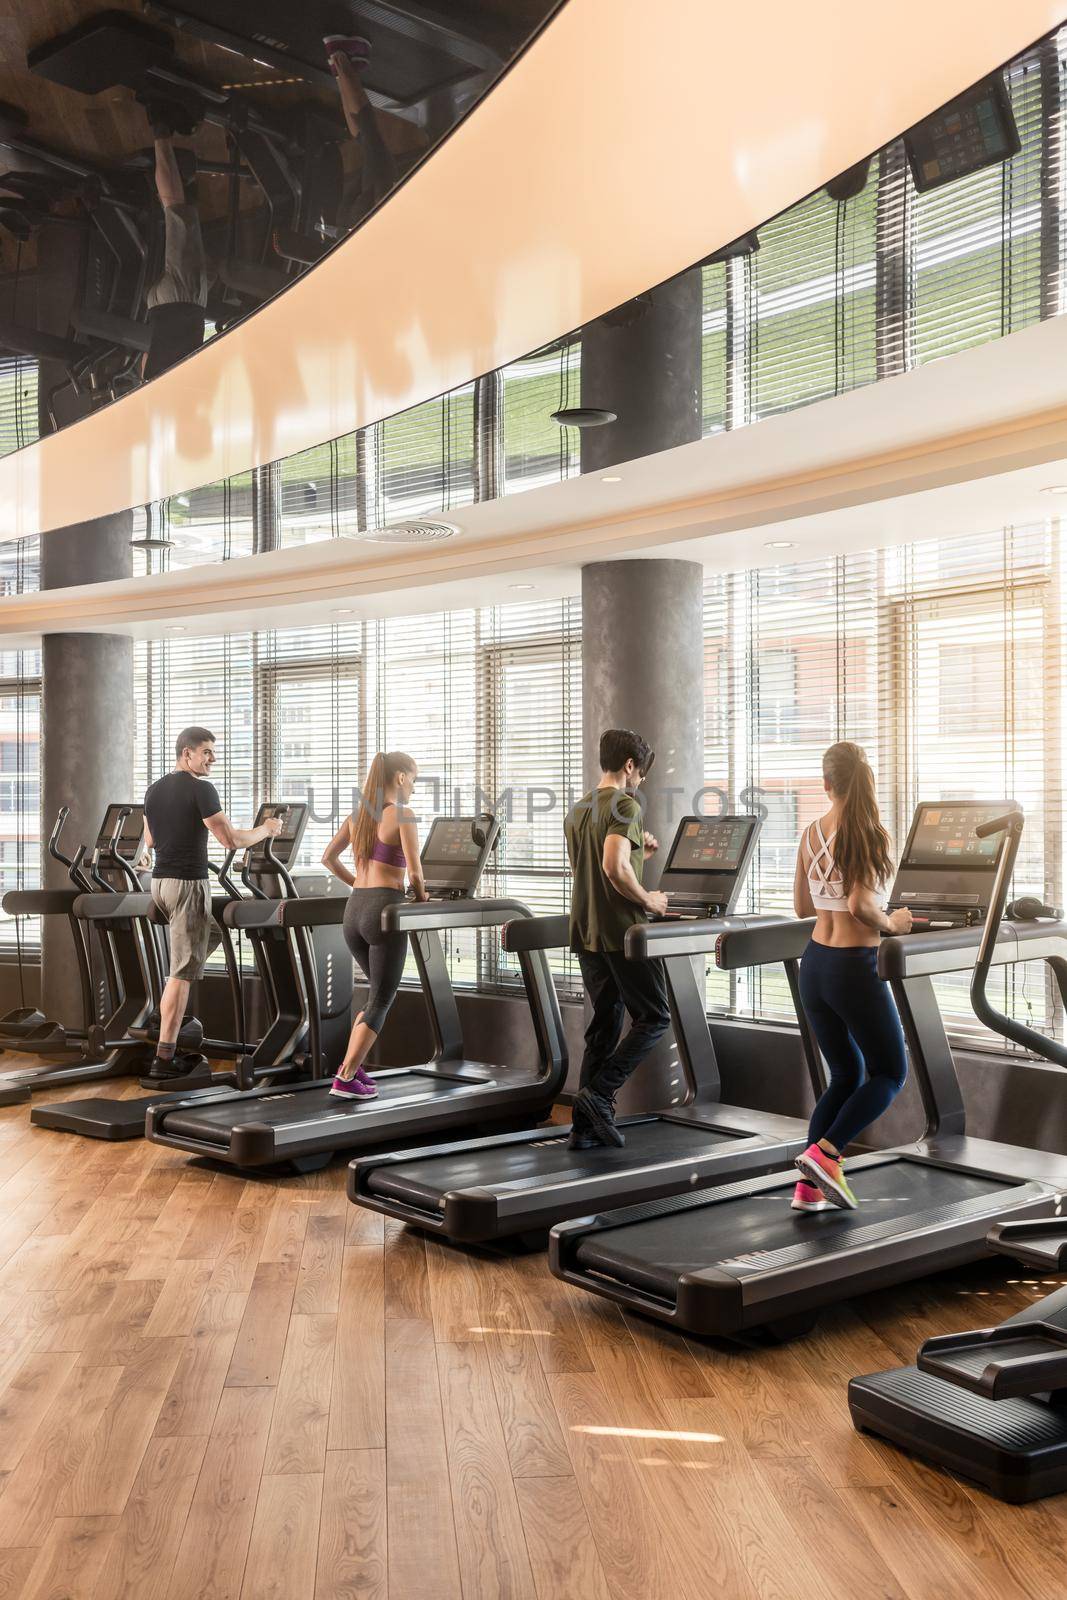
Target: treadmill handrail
x=440 y=916
x=676 y=936
x=307 y=911
x=917 y=955
x=114 y=906
x=1011 y=826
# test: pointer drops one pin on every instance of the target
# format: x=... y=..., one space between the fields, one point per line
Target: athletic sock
x=165 y=1052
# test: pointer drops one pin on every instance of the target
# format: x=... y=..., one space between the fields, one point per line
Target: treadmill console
x=452 y=858
x=707 y=864
x=131 y=838
x=946 y=872
x=293 y=815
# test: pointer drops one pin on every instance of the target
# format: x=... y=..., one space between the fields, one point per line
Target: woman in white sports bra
x=843 y=866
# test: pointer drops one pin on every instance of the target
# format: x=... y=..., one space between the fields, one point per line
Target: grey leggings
x=380 y=956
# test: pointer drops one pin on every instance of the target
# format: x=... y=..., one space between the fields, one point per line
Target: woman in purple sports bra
x=384 y=841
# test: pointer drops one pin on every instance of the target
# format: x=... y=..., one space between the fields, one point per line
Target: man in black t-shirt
x=180 y=810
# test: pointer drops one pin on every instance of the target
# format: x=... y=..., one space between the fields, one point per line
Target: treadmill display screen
x=129 y=840
x=292 y=816
x=943 y=836
x=713 y=844
x=449 y=842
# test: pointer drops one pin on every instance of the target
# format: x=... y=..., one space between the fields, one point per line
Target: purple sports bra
x=389 y=855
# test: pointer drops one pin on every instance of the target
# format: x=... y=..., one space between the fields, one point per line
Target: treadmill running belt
x=213 y=1122
x=734 y=1234
x=542 y=1161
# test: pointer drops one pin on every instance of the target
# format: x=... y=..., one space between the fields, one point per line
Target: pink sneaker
x=355 y=47
x=807 y=1198
x=828 y=1175
x=354 y=1088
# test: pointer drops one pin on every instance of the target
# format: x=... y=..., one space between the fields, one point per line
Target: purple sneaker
x=354 y=46
x=358 y=1087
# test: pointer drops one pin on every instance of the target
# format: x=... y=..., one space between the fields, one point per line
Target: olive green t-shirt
x=600 y=915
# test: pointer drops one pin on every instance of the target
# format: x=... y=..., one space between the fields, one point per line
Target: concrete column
x=87 y=727
x=643 y=668
x=643 y=361
x=87 y=712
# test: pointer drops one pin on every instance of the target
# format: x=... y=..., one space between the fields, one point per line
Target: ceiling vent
x=419 y=532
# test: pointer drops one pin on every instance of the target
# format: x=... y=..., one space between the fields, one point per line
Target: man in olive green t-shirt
x=608 y=847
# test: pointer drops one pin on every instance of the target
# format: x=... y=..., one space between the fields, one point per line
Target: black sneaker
x=599 y=1113
x=164 y=1069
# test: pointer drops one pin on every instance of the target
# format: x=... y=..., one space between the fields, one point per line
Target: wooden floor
x=216 y=1388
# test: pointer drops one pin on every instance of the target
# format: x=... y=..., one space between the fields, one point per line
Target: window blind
x=944 y=659
x=20 y=789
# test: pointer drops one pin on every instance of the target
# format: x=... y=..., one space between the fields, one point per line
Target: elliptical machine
x=29 y=1022
x=114 y=970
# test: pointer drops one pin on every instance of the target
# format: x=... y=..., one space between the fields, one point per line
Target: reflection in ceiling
x=261 y=143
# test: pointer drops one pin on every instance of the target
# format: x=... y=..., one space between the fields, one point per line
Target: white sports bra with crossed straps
x=824 y=881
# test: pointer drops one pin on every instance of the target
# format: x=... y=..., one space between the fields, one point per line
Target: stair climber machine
x=519 y=1184
x=285 y=991
x=736 y=1261
x=301 y=1124
x=991 y=1405
x=115 y=965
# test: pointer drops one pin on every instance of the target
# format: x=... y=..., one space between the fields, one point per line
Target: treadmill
x=301 y=1123
x=521 y=1183
x=737 y=1261
x=991 y=1405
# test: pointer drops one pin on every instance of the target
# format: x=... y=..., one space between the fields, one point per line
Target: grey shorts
x=186 y=904
x=183 y=280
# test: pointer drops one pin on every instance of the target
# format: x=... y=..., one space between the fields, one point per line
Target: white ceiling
x=962 y=445
x=627 y=143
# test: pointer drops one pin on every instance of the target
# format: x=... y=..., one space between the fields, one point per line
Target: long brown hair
x=861 y=848
x=363 y=825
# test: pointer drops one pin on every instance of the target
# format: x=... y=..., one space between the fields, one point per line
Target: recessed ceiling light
x=520 y=586
x=176 y=628
x=1055 y=488
x=343 y=611
x=779 y=544
x=611 y=480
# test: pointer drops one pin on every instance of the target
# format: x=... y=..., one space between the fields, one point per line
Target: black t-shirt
x=175 y=808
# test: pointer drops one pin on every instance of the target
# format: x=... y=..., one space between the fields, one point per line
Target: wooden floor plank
x=145 y=1547
x=284 y=1543
x=352 y=1559
x=108 y=1468
x=260 y=1344
x=422 y=1535
x=193 y=1397
x=318 y=1284
x=407 y=1280
x=211 y=1557
x=71 y=1559
x=54 y=1454
x=297 y=1442
x=563 y=1552
x=357 y=1413
x=492 y=1547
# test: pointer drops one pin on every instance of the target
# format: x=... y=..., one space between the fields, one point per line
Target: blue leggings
x=856 y=1024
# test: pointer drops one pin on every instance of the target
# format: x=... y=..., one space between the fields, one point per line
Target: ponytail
x=363 y=824
x=861 y=848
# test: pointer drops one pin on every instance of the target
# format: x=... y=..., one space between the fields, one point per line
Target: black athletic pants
x=616 y=987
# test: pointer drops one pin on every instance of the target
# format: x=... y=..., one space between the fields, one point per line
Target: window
x=20 y=791
x=325 y=767
x=533 y=751
x=941 y=659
